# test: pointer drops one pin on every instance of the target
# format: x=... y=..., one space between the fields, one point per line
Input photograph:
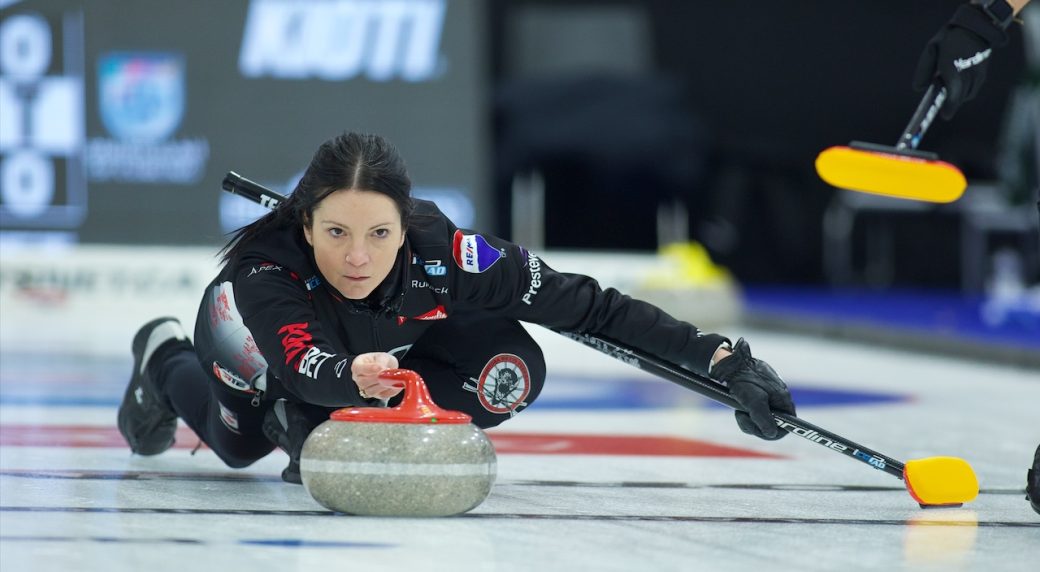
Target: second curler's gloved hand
x=958 y=55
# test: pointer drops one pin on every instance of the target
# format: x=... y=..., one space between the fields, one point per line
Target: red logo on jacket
x=296 y=340
x=438 y=313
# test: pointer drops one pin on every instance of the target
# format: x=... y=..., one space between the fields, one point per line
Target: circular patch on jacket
x=230 y=379
x=504 y=384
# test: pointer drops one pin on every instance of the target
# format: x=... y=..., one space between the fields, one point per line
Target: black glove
x=758 y=389
x=958 y=55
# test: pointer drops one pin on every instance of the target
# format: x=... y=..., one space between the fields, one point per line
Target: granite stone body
x=398 y=469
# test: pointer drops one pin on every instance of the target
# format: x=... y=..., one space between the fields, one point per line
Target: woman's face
x=355 y=235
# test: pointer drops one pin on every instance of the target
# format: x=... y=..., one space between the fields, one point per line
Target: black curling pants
x=489 y=368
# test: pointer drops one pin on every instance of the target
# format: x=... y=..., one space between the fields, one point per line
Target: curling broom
x=902 y=171
x=932 y=481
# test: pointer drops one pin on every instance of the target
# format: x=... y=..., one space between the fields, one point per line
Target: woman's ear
x=308 y=231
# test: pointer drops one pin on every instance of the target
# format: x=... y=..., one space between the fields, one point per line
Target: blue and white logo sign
x=141 y=95
x=472 y=252
x=142 y=102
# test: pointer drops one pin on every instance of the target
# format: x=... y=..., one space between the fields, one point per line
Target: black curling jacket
x=270 y=320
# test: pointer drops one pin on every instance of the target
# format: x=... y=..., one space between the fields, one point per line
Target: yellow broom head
x=940 y=481
x=892 y=173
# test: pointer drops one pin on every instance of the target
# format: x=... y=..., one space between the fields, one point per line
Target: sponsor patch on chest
x=438 y=313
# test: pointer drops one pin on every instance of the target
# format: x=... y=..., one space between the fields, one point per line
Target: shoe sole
x=142 y=352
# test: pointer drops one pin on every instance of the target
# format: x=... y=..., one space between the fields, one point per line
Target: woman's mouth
x=356 y=278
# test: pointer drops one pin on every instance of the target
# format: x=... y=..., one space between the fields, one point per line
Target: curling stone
x=414 y=459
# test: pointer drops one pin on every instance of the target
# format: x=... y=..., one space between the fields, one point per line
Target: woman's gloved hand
x=758 y=389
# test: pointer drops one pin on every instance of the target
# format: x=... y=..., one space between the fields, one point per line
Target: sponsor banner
x=146 y=123
x=92 y=299
x=340 y=40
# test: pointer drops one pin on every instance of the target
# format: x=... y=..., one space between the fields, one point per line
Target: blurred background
x=682 y=131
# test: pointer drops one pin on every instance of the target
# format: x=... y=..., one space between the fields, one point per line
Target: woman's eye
x=336 y=231
x=381 y=233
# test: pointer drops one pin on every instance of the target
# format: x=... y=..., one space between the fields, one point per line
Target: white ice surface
x=101 y=509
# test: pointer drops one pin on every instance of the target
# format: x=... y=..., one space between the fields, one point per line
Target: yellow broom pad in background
x=890 y=174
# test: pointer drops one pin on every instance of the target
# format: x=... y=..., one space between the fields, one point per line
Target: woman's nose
x=357 y=255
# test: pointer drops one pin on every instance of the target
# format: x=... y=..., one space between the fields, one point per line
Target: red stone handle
x=416 y=405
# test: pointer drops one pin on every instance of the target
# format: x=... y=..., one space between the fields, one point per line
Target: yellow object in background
x=891 y=174
x=686 y=264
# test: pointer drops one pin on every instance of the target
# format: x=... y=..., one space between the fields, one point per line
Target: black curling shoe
x=286 y=426
x=145 y=419
x=1033 y=482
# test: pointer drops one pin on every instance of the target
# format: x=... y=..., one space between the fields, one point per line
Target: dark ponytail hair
x=350 y=161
